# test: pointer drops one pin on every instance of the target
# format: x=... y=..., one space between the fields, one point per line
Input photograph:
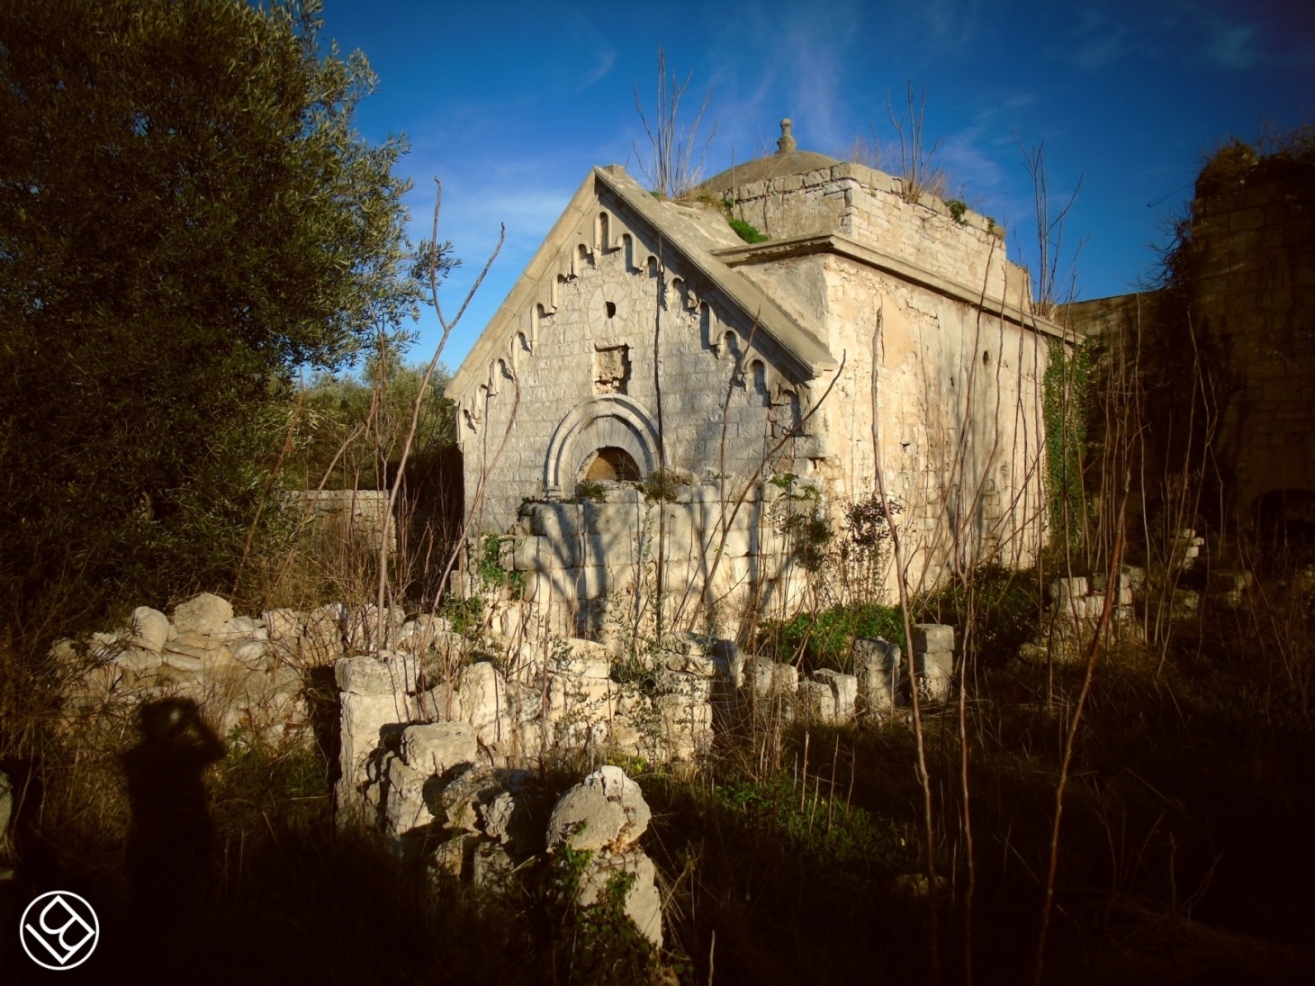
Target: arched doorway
x=605 y=422
x=612 y=464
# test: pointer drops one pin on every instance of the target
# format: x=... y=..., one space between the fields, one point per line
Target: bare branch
x=671 y=169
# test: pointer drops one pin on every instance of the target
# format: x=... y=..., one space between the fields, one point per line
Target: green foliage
x=358 y=424
x=958 y=208
x=810 y=536
x=865 y=544
x=659 y=486
x=823 y=640
x=1067 y=397
x=492 y=574
x=465 y=615
x=598 y=943
x=630 y=670
x=588 y=492
x=186 y=214
x=834 y=833
x=747 y=231
x=1001 y=607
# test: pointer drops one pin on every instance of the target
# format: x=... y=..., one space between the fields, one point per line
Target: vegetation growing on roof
x=747 y=231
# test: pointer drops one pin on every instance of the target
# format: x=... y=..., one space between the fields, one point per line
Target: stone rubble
x=250 y=672
x=1076 y=605
x=470 y=821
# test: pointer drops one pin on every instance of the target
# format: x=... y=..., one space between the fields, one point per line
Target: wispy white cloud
x=603 y=66
x=1231 y=46
x=1098 y=41
x=800 y=54
x=974 y=172
x=950 y=26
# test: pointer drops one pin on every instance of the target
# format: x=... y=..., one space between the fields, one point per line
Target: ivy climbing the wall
x=1066 y=404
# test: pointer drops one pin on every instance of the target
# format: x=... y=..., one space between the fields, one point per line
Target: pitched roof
x=689 y=235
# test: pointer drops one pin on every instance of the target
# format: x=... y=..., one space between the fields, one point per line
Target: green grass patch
x=747 y=231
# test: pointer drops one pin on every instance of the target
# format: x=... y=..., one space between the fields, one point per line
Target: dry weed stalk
x=447 y=326
x=901 y=579
x=1050 y=235
x=671 y=168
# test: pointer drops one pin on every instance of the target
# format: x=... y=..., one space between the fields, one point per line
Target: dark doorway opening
x=612 y=464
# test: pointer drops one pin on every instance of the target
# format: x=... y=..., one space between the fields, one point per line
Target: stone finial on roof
x=786 y=144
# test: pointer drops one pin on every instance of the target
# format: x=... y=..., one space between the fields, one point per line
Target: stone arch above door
x=606 y=421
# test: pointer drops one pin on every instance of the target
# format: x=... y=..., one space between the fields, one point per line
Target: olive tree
x=187 y=216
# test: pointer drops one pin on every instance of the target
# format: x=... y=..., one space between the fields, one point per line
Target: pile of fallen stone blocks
x=1185 y=549
x=446 y=807
x=1076 y=606
x=567 y=699
x=605 y=814
x=246 y=672
x=775 y=690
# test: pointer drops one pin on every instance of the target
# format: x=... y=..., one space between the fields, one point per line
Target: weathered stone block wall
x=359 y=515
x=959 y=414
x=611 y=301
x=592 y=568
x=1236 y=321
x=1252 y=258
x=866 y=204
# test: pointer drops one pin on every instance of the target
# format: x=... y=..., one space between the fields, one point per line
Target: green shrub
x=659 y=487
x=492 y=574
x=747 y=231
x=823 y=640
x=597 y=943
x=808 y=821
x=1001 y=605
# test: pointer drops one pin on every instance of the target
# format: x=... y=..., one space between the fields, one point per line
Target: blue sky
x=510 y=104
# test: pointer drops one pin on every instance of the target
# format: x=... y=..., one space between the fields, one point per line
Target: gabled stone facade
x=647 y=334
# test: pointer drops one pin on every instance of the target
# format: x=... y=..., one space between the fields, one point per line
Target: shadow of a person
x=171 y=853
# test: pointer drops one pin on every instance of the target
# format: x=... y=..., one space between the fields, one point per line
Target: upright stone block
x=816 y=702
x=933 y=659
x=932 y=638
x=371 y=698
x=877 y=670
x=844 y=692
x=435 y=747
x=1064 y=591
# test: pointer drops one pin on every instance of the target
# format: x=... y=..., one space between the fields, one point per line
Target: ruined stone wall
x=1252 y=273
x=358 y=515
x=865 y=204
x=1235 y=321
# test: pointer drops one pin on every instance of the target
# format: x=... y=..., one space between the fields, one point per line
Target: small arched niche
x=611 y=465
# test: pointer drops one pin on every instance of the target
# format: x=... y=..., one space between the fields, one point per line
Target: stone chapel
x=867 y=327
